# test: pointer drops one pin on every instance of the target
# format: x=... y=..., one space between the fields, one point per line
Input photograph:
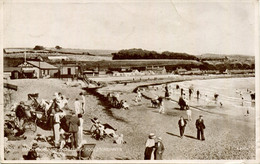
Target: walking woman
x=149 y=147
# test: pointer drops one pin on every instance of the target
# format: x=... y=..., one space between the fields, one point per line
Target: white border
x=257 y=9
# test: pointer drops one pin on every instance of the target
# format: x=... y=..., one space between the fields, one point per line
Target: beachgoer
x=167 y=91
x=182 y=91
x=73 y=129
x=13 y=134
x=125 y=105
x=20 y=113
x=182 y=123
x=200 y=128
x=77 y=106
x=32 y=154
x=119 y=139
x=56 y=129
x=190 y=93
x=198 y=94
x=149 y=147
x=80 y=132
x=188 y=112
x=83 y=102
x=161 y=105
x=159 y=149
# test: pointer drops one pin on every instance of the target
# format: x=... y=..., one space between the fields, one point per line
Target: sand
x=227 y=137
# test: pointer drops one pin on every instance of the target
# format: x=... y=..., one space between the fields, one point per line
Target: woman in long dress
x=149 y=147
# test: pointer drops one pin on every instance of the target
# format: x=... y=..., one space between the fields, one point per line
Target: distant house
x=195 y=71
x=12 y=72
x=241 y=71
x=38 y=69
x=90 y=73
x=68 y=70
x=211 y=72
x=125 y=69
x=181 y=71
x=58 y=58
x=156 y=69
x=116 y=73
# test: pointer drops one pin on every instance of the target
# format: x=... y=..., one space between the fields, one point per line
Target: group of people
x=100 y=131
x=200 y=126
x=114 y=101
x=65 y=120
x=154 y=148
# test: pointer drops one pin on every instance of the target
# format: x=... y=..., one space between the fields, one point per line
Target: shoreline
x=148 y=82
x=101 y=95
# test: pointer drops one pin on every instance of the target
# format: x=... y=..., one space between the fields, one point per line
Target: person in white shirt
x=77 y=106
x=80 y=131
x=56 y=127
x=119 y=139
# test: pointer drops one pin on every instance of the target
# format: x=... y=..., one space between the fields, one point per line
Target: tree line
x=145 y=54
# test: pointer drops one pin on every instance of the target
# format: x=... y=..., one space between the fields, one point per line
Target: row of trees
x=38 y=47
x=144 y=54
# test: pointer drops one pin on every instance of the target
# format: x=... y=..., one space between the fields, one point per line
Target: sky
x=191 y=27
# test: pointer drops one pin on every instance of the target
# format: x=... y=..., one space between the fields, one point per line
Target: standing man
x=159 y=149
x=83 y=102
x=200 y=128
x=182 y=123
x=73 y=129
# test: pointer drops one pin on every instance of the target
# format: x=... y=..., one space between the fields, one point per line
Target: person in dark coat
x=73 y=129
x=166 y=91
x=20 y=113
x=182 y=123
x=200 y=128
x=182 y=91
x=159 y=149
x=198 y=94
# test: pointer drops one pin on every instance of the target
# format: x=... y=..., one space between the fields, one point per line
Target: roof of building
x=42 y=65
x=10 y=69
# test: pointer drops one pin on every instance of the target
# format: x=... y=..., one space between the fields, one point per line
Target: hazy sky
x=196 y=28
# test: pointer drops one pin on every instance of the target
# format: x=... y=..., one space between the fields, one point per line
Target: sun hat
x=151 y=135
x=160 y=138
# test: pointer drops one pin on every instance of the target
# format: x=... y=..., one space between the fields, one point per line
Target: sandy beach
x=228 y=135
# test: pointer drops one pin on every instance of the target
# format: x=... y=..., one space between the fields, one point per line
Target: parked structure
x=181 y=71
x=68 y=70
x=37 y=69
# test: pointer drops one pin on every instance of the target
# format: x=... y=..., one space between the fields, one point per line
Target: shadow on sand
x=173 y=134
x=188 y=136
